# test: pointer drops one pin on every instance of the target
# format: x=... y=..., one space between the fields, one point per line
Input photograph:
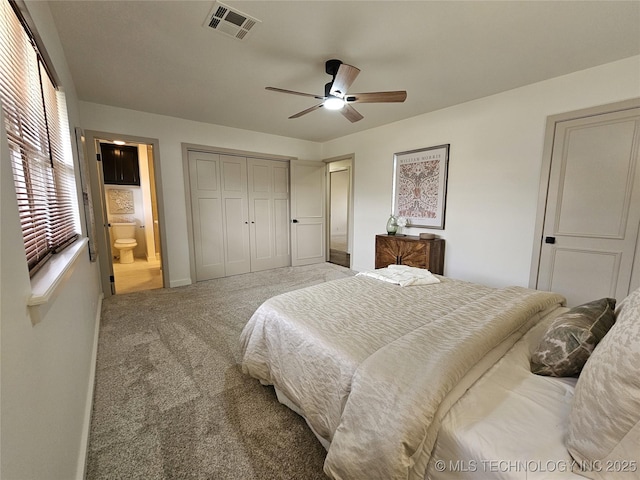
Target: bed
x=509 y=423
x=417 y=381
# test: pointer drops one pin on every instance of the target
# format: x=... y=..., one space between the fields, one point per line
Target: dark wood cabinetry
x=410 y=250
x=120 y=164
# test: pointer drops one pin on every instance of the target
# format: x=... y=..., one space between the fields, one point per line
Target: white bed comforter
x=369 y=364
x=511 y=425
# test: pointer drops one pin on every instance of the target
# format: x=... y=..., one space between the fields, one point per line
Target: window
x=37 y=129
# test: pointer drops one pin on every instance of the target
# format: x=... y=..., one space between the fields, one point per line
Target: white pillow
x=604 y=423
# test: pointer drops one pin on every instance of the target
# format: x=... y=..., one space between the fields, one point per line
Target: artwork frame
x=420 y=186
x=121 y=200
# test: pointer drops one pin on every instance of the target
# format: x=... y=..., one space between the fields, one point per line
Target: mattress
x=510 y=425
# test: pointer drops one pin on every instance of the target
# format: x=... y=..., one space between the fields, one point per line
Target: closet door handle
x=295 y=220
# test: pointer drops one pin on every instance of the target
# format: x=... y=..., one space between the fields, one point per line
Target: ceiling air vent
x=230 y=21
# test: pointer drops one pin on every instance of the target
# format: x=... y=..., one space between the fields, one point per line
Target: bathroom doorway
x=130 y=247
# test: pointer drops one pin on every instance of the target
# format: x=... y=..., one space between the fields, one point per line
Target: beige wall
x=45 y=368
x=494 y=169
x=171 y=133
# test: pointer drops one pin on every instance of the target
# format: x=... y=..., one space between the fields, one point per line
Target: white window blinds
x=38 y=135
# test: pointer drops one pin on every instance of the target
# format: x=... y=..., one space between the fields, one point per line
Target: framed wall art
x=121 y=201
x=420 y=186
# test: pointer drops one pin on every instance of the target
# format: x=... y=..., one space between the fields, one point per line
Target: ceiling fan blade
x=377 y=97
x=282 y=90
x=343 y=80
x=351 y=113
x=308 y=110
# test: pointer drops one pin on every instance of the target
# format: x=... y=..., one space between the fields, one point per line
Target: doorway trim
x=349 y=160
x=543 y=191
x=99 y=208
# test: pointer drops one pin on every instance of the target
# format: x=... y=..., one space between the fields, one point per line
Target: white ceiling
x=156 y=56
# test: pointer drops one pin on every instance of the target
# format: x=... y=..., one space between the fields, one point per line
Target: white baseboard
x=84 y=441
x=180 y=283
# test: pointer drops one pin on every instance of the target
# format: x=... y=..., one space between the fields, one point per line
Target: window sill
x=46 y=282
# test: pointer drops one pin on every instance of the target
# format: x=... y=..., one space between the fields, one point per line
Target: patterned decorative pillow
x=604 y=423
x=570 y=339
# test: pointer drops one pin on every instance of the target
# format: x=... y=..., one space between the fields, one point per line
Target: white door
x=235 y=215
x=307 y=212
x=592 y=217
x=268 y=182
x=206 y=212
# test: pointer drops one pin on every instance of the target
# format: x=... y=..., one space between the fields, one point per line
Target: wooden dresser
x=410 y=250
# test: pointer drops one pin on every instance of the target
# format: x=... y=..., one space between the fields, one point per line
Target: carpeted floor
x=170 y=399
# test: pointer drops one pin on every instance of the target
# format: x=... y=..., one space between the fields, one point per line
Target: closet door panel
x=234 y=175
x=209 y=232
x=281 y=208
x=206 y=214
x=282 y=243
x=260 y=178
x=235 y=215
x=269 y=213
x=281 y=180
x=262 y=212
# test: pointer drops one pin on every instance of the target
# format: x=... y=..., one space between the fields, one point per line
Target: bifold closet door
x=219 y=212
x=268 y=182
x=240 y=214
x=206 y=214
x=235 y=215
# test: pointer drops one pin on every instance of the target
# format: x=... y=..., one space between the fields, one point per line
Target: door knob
x=295 y=220
x=550 y=240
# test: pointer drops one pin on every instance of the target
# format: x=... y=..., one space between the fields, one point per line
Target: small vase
x=392 y=225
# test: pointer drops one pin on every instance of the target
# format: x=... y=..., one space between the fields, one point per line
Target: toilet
x=125 y=240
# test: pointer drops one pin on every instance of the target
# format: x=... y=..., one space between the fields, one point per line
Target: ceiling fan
x=335 y=92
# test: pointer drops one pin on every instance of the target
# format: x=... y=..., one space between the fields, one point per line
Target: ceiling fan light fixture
x=333 y=103
x=335 y=93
